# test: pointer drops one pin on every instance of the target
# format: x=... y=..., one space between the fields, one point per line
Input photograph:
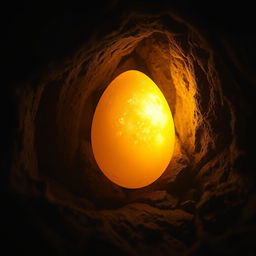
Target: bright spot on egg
x=132 y=131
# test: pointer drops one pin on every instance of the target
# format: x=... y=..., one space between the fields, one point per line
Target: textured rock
x=132 y=227
x=159 y=199
x=188 y=205
x=204 y=202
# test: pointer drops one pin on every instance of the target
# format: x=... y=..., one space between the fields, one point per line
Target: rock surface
x=56 y=198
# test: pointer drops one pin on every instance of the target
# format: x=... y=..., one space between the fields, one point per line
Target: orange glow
x=132 y=131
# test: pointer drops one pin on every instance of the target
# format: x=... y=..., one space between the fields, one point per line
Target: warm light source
x=132 y=131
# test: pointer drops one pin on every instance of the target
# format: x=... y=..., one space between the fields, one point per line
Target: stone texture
x=159 y=199
x=203 y=205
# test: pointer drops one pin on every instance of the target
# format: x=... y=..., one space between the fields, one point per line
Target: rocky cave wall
x=194 y=205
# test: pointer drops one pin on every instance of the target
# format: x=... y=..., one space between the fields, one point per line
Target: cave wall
x=196 y=205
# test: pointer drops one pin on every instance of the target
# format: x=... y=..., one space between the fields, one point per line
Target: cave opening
x=155 y=53
x=201 y=195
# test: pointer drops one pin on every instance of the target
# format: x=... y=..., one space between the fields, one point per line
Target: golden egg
x=132 y=131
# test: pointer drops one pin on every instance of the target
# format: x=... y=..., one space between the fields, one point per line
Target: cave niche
x=54 y=160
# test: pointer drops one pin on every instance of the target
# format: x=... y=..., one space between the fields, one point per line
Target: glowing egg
x=132 y=131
